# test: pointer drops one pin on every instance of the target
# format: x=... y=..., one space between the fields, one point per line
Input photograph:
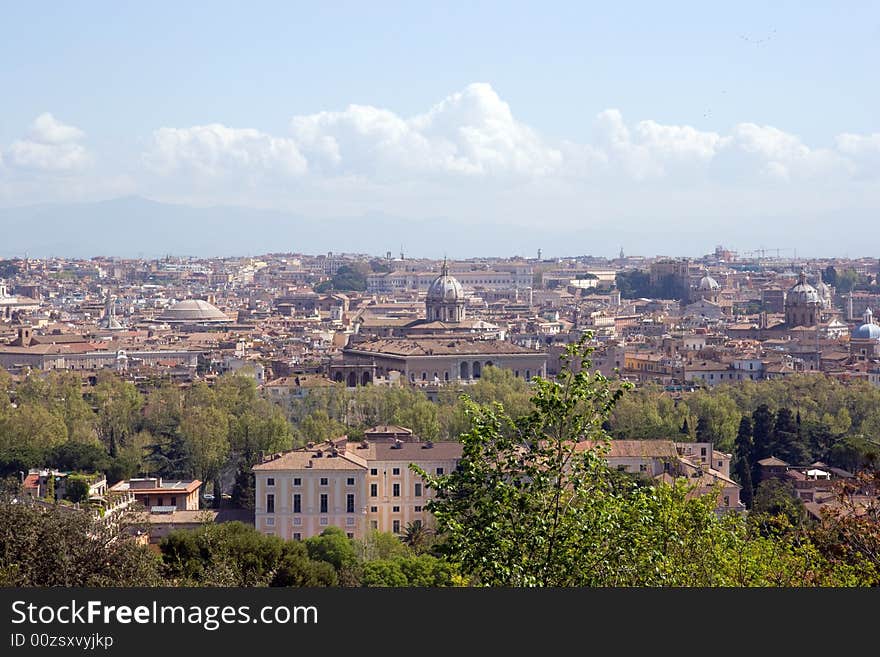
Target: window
x=726 y=500
x=323 y=481
x=417 y=509
x=374 y=509
x=297 y=481
x=374 y=490
x=374 y=471
x=396 y=526
x=395 y=490
x=323 y=502
x=349 y=503
x=395 y=471
x=270 y=481
x=270 y=522
x=297 y=503
x=643 y=467
x=350 y=534
x=702 y=451
x=270 y=503
x=374 y=524
x=297 y=521
x=395 y=509
x=719 y=465
x=418 y=490
x=439 y=471
x=323 y=521
x=297 y=536
x=349 y=521
x=621 y=468
x=349 y=481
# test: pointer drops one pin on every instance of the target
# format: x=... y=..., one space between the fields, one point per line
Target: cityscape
x=347 y=369
x=300 y=296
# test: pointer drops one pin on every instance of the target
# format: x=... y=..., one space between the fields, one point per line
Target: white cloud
x=217 y=150
x=46 y=129
x=650 y=149
x=784 y=156
x=471 y=133
x=51 y=146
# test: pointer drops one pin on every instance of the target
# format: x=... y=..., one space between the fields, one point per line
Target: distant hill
x=139 y=227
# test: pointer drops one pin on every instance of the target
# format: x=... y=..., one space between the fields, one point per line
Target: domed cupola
x=802 y=304
x=868 y=330
x=445 y=301
x=708 y=283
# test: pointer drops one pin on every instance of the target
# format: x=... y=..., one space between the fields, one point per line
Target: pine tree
x=685 y=429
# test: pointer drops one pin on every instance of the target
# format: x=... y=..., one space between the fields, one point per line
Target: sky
x=739 y=123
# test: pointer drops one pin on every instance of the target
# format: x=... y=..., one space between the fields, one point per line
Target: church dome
x=709 y=283
x=867 y=331
x=193 y=311
x=445 y=287
x=802 y=293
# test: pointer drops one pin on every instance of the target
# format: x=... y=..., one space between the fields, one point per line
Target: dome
x=193 y=311
x=709 y=283
x=802 y=293
x=445 y=287
x=867 y=331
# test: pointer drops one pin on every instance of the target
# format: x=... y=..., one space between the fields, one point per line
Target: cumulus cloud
x=46 y=129
x=471 y=133
x=217 y=150
x=50 y=146
x=651 y=149
x=782 y=155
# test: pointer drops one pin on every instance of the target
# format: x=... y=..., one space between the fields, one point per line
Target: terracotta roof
x=772 y=461
x=635 y=448
x=422 y=451
x=440 y=347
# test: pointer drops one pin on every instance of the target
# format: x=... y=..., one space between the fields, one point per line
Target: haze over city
x=575 y=129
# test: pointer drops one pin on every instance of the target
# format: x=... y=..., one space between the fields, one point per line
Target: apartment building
x=357 y=486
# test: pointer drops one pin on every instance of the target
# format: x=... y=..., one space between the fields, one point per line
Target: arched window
x=352 y=379
x=477 y=369
x=464 y=371
x=365 y=378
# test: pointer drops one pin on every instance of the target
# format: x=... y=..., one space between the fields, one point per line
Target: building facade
x=357 y=487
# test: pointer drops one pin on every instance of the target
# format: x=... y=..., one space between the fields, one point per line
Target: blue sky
x=555 y=112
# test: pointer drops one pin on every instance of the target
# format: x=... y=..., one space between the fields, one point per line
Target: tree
x=786 y=441
x=243 y=490
x=332 y=546
x=742 y=467
x=525 y=495
x=236 y=554
x=538 y=506
x=76 y=488
x=205 y=431
x=32 y=425
x=48 y=546
x=777 y=497
x=119 y=410
x=416 y=535
x=762 y=436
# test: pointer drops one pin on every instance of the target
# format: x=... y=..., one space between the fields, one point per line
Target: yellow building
x=355 y=486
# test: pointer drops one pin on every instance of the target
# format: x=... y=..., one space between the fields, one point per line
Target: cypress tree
x=742 y=468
